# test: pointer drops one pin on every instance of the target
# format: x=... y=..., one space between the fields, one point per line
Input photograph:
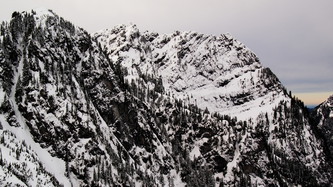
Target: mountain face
x=322 y=117
x=125 y=108
x=218 y=73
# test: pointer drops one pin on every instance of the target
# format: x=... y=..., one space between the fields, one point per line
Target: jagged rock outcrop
x=124 y=108
x=215 y=72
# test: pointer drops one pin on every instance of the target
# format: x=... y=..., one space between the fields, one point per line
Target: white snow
x=195 y=153
x=331 y=114
x=2 y=95
x=176 y=179
x=53 y=165
x=42 y=11
x=206 y=74
x=233 y=164
x=41 y=15
x=198 y=74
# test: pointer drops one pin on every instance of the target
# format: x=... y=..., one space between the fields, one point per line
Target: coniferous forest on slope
x=80 y=109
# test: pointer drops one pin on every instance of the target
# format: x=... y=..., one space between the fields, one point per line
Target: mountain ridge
x=185 y=62
x=109 y=113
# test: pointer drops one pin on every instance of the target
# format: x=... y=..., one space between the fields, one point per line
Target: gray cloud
x=293 y=38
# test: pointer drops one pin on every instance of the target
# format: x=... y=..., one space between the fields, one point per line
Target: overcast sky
x=292 y=37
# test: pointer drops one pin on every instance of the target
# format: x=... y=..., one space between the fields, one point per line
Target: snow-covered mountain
x=322 y=120
x=127 y=108
x=215 y=72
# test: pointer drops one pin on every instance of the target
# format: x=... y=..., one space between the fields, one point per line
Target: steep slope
x=122 y=108
x=218 y=73
x=78 y=122
x=322 y=118
x=53 y=79
x=221 y=75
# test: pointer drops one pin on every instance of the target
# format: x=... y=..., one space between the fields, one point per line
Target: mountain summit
x=122 y=107
x=215 y=72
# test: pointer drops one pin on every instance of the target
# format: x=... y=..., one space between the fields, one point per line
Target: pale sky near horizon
x=293 y=38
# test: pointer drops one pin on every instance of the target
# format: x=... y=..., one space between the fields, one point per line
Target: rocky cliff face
x=322 y=120
x=215 y=72
x=125 y=108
